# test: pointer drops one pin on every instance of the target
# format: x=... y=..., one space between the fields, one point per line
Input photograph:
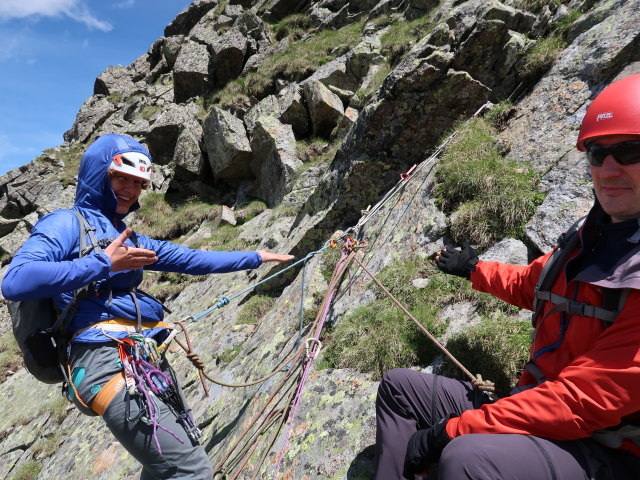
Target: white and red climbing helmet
x=615 y=111
x=134 y=164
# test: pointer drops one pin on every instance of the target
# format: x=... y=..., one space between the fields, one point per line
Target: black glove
x=425 y=447
x=458 y=262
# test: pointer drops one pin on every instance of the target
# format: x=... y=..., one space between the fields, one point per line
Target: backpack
x=41 y=331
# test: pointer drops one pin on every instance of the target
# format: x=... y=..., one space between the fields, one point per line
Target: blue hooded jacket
x=47 y=265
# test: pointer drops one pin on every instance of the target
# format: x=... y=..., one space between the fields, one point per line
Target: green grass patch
x=378 y=336
x=116 y=98
x=293 y=25
x=27 y=471
x=58 y=408
x=254 y=309
x=362 y=96
x=167 y=285
x=542 y=55
x=545 y=51
x=225 y=237
x=163 y=220
x=402 y=35
x=488 y=196
x=297 y=61
x=149 y=111
x=71 y=156
x=247 y=212
x=496 y=348
x=229 y=354
x=47 y=446
x=499 y=114
x=10 y=356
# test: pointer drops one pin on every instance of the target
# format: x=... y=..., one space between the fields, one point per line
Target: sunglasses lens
x=625 y=153
x=596 y=155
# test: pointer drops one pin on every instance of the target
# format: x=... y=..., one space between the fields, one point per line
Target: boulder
x=115 y=80
x=188 y=152
x=274 y=159
x=171 y=48
x=293 y=110
x=189 y=17
x=325 y=108
x=227 y=145
x=94 y=111
x=163 y=133
x=228 y=56
x=278 y=9
x=191 y=72
x=489 y=54
x=267 y=107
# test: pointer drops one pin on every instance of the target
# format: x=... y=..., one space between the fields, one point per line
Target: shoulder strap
x=567 y=242
x=84 y=229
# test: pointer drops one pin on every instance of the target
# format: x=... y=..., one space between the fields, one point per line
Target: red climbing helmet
x=615 y=111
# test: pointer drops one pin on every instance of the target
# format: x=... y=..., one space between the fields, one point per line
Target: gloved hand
x=457 y=262
x=425 y=447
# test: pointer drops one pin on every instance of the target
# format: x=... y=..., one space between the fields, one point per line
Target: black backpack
x=41 y=331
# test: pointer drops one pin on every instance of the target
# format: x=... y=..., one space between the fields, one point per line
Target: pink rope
x=305 y=374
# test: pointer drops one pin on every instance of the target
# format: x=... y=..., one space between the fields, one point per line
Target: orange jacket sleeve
x=515 y=284
x=597 y=382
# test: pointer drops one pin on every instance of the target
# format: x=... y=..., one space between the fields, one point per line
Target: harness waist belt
x=123 y=325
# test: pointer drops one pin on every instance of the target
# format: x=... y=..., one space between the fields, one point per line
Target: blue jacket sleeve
x=177 y=258
x=46 y=265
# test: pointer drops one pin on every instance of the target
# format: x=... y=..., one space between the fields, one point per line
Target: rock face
x=235 y=109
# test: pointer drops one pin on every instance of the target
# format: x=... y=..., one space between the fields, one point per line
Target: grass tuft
x=488 y=196
x=27 y=471
x=165 y=221
x=255 y=309
x=496 y=348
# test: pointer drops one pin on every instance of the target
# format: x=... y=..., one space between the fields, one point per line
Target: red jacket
x=593 y=375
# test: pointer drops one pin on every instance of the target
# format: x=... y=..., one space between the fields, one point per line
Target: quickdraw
x=146 y=382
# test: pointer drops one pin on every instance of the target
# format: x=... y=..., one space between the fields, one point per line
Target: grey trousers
x=408 y=401
x=93 y=365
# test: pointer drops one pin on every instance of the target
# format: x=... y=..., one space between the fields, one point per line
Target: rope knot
x=195 y=359
x=224 y=300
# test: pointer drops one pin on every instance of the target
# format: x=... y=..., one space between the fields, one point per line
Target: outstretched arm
x=274 y=257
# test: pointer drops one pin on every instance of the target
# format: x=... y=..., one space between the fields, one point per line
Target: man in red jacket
x=575 y=413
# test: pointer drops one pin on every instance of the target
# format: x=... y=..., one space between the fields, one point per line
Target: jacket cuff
x=452 y=427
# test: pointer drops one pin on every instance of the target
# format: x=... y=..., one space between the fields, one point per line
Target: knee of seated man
x=465 y=451
x=398 y=377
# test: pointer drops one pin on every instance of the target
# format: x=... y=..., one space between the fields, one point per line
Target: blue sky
x=51 y=51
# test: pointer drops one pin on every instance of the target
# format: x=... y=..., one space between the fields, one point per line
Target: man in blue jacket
x=114 y=372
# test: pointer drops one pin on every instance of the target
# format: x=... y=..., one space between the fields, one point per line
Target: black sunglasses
x=625 y=153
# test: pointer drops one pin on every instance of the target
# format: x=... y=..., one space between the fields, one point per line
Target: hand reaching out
x=274 y=257
x=124 y=257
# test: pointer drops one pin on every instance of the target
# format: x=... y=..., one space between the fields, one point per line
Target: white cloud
x=8 y=48
x=74 y=9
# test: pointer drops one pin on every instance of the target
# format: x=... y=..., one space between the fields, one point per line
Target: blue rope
x=224 y=300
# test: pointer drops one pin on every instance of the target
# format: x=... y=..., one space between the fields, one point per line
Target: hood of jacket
x=94 y=185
